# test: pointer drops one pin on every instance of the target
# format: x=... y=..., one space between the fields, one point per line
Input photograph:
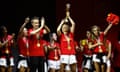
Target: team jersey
x=67 y=49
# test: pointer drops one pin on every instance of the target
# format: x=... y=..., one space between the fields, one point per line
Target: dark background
x=84 y=12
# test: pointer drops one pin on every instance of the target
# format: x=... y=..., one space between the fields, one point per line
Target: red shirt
x=23 y=46
x=101 y=38
x=7 y=46
x=54 y=53
x=64 y=44
x=34 y=48
x=86 y=50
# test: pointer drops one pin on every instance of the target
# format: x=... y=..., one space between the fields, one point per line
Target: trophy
x=67 y=11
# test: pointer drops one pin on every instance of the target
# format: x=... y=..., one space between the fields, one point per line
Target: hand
x=99 y=43
x=67 y=14
x=62 y=21
x=27 y=20
x=42 y=21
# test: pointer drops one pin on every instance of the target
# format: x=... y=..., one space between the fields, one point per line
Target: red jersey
x=55 y=53
x=36 y=46
x=65 y=50
x=86 y=50
x=23 y=46
x=102 y=47
x=6 y=49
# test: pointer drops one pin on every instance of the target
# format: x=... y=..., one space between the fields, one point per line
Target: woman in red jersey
x=36 y=44
x=67 y=46
x=23 y=63
x=87 y=59
x=99 y=48
x=6 y=43
x=53 y=54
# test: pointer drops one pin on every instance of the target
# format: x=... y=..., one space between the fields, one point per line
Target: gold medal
x=38 y=44
x=100 y=50
x=7 y=51
x=69 y=47
x=55 y=57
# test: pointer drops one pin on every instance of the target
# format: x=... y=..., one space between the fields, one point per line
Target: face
x=4 y=30
x=65 y=28
x=25 y=32
x=95 y=30
x=54 y=36
x=35 y=23
x=88 y=34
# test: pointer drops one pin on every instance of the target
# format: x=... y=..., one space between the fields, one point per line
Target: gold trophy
x=67 y=12
x=67 y=7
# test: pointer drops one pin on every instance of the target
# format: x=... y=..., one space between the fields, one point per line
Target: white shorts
x=54 y=64
x=22 y=63
x=3 y=62
x=68 y=59
x=95 y=59
x=108 y=63
x=87 y=65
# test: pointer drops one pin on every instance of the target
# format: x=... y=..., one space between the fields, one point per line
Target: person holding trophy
x=67 y=45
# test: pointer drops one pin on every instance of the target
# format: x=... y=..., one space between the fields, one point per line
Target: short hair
x=35 y=17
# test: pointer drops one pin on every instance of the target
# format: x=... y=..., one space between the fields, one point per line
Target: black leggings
x=36 y=63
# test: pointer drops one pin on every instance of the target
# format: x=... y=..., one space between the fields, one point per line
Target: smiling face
x=54 y=36
x=95 y=30
x=35 y=23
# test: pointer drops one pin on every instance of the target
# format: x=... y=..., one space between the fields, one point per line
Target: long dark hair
x=2 y=31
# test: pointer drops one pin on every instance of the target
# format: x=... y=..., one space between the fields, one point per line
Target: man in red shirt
x=36 y=44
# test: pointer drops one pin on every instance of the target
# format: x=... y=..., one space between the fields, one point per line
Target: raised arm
x=59 y=27
x=37 y=30
x=107 y=29
x=71 y=21
x=46 y=30
x=22 y=27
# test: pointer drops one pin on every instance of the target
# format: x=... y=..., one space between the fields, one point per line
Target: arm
x=59 y=27
x=22 y=27
x=109 y=50
x=5 y=42
x=91 y=46
x=37 y=30
x=72 y=22
x=107 y=29
x=46 y=30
